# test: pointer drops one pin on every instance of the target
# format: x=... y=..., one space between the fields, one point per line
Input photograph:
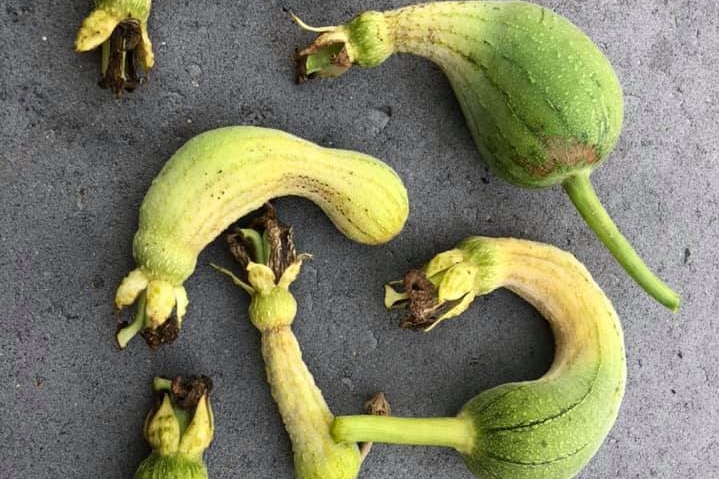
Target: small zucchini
x=543 y=429
x=220 y=176
x=270 y=264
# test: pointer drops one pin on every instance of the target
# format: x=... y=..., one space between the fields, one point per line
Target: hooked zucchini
x=221 y=175
x=541 y=100
x=548 y=428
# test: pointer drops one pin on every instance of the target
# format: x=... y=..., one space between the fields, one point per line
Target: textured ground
x=75 y=164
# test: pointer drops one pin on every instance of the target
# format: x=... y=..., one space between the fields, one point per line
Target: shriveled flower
x=270 y=264
x=443 y=288
x=120 y=28
x=156 y=300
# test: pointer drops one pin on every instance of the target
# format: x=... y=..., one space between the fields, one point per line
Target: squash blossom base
x=179 y=429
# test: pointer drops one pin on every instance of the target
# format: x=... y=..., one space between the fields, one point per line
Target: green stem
x=258 y=253
x=582 y=194
x=105 y=57
x=161 y=384
x=455 y=432
x=138 y=323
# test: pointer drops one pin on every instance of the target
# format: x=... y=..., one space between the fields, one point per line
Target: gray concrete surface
x=75 y=164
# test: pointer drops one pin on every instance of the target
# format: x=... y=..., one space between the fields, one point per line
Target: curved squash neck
x=584 y=324
x=427 y=30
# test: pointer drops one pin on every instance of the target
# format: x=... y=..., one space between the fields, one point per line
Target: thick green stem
x=455 y=432
x=582 y=194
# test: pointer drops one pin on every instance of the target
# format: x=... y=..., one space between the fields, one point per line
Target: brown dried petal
x=189 y=390
x=422 y=300
x=165 y=333
x=241 y=249
x=122 y=73
x=378 y=405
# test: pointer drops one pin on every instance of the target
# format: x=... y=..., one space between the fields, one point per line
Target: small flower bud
x=179 y=430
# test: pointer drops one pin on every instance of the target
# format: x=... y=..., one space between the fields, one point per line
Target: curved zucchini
x=541 y=100
x=220 y=176
x=543 y=429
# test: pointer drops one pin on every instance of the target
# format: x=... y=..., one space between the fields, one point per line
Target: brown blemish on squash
x=562 y=154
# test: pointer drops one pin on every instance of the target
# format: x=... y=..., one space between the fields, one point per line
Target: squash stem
x=582 y=194
x=128 y=332
x=161 y=384
x=455 y=432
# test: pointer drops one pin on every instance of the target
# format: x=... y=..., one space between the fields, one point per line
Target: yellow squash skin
x=273 y=308
x=304 y=411
x=221 y=175
x=544 y=429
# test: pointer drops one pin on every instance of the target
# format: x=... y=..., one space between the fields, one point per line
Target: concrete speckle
x=375 y=120
x=75 y=164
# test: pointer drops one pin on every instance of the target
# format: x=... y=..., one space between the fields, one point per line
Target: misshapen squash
x=543 y=429
x=221 y=175
x=542 y=102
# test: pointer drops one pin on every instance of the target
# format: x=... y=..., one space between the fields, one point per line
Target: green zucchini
x=221 y=175
x=541 y=100
x=543 y=429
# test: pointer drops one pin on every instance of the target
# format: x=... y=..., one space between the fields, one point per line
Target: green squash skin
x=551 y=427
x=540 y=98
x=562 y=436
x=548 y=428
x=174 y=466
